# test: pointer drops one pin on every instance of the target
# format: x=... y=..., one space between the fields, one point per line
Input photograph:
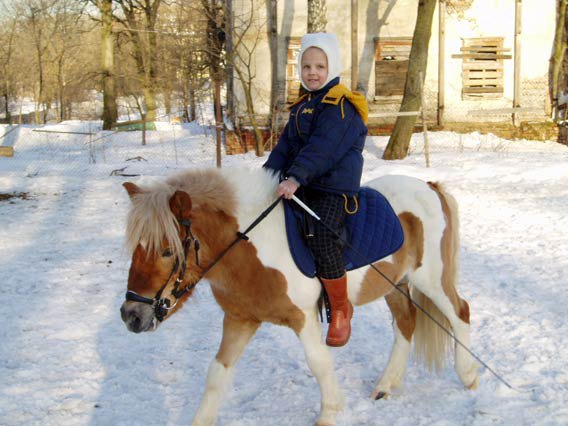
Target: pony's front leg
x=320 y=362
x=236 y=335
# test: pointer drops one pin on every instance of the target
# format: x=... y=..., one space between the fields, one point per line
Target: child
x=320 y=150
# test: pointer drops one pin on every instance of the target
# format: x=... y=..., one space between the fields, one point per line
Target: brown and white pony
x=257 y=281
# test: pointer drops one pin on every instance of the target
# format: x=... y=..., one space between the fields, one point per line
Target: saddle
x=372 y=233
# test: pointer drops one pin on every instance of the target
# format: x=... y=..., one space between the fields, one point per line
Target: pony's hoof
x=474 y=384
x=325 y=422
x=381 y=395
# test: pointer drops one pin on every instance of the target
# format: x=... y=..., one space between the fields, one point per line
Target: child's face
x=314 y=68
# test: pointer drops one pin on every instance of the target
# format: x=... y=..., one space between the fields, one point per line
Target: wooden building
x=488 y=59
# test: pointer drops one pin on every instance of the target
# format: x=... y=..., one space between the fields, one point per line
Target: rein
x=161 y=304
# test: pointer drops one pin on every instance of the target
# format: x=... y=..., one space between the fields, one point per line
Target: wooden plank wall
x=482 y=68
x=391 y=65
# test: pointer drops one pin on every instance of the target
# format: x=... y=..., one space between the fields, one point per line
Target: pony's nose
x=137 y=317
x=132 y=319
x=123 y=313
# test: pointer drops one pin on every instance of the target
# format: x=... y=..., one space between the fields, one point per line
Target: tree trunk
x=6 y=97
x=110 y=110
x=61 y=89
x=151 y=72
x=215 y=39
x=192 y=104
x=316 y=16
x=399 y=140
x=557 y=57
x=150 y=100
x=6 y=68
x=168 y=101
x=274 y=86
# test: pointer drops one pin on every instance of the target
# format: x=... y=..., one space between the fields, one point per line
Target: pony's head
x=165 y=265
x=178 y=229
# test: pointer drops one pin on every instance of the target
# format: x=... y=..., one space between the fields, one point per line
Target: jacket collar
x=316 y=93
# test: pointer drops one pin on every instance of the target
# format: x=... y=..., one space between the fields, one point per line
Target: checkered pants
x=326 y=247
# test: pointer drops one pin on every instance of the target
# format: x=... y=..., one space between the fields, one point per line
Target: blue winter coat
x=322 y=144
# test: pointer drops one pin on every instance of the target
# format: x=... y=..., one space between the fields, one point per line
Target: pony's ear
x=180 y=203
x=131 y=188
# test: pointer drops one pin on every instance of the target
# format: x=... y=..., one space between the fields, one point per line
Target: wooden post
x=517 y=81
x=441 y=60
x=424 y=128
x=218 y=120
x=143 y=129
x=354 y=44
x=229 y=70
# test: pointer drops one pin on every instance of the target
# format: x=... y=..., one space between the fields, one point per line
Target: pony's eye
x=167 y=253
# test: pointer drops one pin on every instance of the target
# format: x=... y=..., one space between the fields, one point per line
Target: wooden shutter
x=391 y=65
x=482 y=67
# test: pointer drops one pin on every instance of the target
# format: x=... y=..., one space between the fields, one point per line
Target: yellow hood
x=336 y=93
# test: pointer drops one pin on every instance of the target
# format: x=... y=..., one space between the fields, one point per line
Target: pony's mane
x=253 y=188
x=150 y=219
x=230 y=190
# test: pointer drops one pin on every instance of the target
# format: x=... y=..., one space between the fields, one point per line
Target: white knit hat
x=330 y=46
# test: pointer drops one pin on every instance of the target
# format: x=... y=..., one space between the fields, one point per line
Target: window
x=482 y=67
x=292 y=77
x=391 y=66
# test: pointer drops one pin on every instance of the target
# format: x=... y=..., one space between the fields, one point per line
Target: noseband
x=161 y=304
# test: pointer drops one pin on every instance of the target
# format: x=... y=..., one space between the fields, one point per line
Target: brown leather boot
x=341 y=311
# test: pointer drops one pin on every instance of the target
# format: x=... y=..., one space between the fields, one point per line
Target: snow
x=66 y=358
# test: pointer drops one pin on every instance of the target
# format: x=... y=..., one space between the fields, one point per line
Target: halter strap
x=162 y=305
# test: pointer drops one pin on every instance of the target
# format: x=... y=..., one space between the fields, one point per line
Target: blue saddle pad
x=374 y=232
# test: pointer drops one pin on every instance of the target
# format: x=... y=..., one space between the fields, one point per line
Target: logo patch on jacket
x=308 y=111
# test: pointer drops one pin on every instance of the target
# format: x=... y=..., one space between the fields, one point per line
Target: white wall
x=395 y=18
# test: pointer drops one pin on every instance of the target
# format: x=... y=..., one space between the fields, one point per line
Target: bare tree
x=185 y=54
x=399 y=140
x=67 y=55
x=7 y=35
x=215 y=13
x=317 y=19
x=139 y=18
x=37 y=14
x=108 y=43
x=275 y=95
x=247 y=34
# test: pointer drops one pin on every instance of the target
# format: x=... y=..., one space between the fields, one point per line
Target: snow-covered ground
x=67 y=359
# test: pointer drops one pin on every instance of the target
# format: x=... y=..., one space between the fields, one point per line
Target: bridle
x=162 y=305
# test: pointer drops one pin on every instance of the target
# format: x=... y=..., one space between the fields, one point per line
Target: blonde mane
x=150 y=219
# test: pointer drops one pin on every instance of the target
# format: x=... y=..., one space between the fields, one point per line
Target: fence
x=78 y=145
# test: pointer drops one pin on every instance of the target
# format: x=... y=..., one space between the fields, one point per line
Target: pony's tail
x=431 y=343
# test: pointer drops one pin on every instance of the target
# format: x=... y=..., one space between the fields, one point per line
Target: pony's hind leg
x=320 y=362
x=466 y=367
x=236 y=335
x=404 y=320
x=447 y=307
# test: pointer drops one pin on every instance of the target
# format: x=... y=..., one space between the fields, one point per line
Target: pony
x=190 y=226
